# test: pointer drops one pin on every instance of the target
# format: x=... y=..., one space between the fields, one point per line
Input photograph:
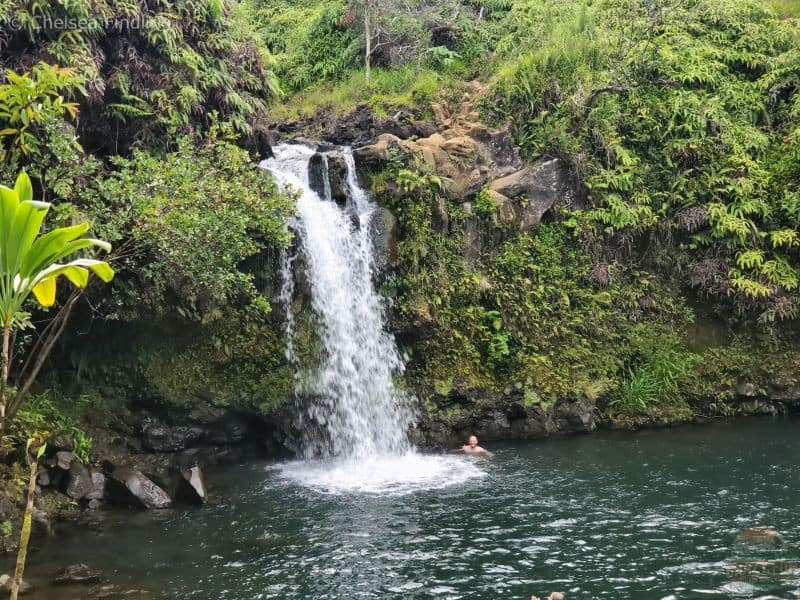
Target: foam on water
x=384 y=474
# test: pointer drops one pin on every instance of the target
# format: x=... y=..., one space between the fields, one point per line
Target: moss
x=232 y=364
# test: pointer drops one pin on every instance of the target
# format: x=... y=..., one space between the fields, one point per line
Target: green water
x=646 y=515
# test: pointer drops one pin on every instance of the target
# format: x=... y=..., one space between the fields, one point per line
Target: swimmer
x=472 y=447
x=552 y=596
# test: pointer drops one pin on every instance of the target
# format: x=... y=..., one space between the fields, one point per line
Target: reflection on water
x=647 y=515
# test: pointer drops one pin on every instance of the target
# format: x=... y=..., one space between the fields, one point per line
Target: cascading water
x=354 y=398
x=349 y=408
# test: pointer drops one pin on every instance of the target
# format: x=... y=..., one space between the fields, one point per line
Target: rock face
x=469 y=157
x=539 y=187
x=506 y=416
x=130 y=487
x=385 y=232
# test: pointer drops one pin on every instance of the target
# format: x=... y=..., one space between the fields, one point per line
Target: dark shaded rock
x=64 y=459
x=337 y=178
x=747 y=390
x=191 y=487
x=576 y=417
x=472 y=239
x=79 y=573
x=59 y=442
x=80 y=481
x=98 y=490
x=318 y=175
x=441 y=216
x=130 y=487
x=538 y=188
x=43 y=477
x=228 y=431
x=161 y=438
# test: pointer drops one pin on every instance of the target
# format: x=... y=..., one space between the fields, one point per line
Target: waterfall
x=353 y=408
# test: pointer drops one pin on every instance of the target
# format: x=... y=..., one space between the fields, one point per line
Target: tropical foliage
x=30 y=263
x=682 y=119
x=149 y=68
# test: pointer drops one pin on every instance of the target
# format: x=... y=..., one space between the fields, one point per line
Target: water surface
x=612 y=515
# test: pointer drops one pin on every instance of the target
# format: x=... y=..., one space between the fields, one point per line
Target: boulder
x=538 y=187
x=63 y=459
x=43 y=477
x=98 y=491
x=80 y=481
x=130 y=487
x=191 y=487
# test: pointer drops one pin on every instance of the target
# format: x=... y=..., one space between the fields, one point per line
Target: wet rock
x=64 y=459
x=78 y=573
x=317 y=174
x=191 y=487
x=7 y=581
x=162 y=438
x=385 y=232
x=337 y=178
x=80 y=481
x=43 y=477
x=576 y=417
x=228 y=431
x=130 y=487
x=98 y=490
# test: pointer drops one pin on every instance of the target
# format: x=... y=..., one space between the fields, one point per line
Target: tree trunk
x=368 y=35
x=25 y=534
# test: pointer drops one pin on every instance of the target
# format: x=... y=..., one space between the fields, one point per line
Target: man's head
x=556 y=596
x=473 y=441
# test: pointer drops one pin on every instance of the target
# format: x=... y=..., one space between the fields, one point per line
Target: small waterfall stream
x=354 y=411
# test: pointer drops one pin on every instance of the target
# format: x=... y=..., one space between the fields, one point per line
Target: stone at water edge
x=131 y=487
x=6 y=581
x=80 y=481
x=64 y=459
x=191 y=487
x=98 y=491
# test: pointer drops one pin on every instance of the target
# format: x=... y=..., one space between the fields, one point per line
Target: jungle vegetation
x=680 y=119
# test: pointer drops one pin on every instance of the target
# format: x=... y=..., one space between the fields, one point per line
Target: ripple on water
x=392 y=475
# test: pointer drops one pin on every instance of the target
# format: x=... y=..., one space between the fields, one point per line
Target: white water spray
x=351 y=415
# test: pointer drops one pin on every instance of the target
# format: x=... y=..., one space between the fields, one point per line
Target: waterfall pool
x=653 y=514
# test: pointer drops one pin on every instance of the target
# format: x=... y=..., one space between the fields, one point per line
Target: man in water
x=553 y=596
x=472 y=447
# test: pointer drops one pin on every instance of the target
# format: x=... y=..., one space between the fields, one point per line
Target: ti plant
x=30 y=264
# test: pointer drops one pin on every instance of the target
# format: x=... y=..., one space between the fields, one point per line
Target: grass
x=786 y=8
x=388 y=91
